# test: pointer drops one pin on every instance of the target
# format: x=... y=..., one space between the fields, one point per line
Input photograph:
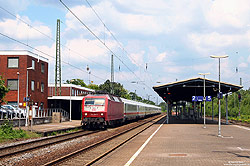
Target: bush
x=7 y=132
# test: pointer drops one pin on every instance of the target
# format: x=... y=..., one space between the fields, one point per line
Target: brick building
x=19 y=64
x=76 y=90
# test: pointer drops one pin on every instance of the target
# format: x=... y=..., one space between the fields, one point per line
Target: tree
x=118 y=88
x=3 y=89
x=76 y=82
x=93 y=86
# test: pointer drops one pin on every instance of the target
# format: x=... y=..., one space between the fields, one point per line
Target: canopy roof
x=184 y=90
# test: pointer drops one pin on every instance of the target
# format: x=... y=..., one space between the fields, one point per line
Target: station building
x=71 y=102
x=30 y=71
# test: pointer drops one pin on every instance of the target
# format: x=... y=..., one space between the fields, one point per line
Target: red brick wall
x=36 y=75
x=65 y=91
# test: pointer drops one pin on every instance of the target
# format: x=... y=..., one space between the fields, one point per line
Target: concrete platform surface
x=179 y=144
x=50 y=127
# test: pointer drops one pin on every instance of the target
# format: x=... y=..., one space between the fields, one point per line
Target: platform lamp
x=204 y=98
x=219 y=95
x=18 y=98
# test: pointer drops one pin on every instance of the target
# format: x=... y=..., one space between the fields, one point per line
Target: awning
x=184 y=90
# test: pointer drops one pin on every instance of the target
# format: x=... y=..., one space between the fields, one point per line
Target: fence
x=37 y=114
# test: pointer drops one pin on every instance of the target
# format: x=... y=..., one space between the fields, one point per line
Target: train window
x=116 y=99
x=94 y=101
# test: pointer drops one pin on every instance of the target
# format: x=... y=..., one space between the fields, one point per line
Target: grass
x=63 y=132
x=242 y=118
x=8 y=133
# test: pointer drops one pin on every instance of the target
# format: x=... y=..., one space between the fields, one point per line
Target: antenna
x=58 y=61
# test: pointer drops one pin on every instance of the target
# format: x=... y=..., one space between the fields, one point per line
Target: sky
x=154 y=42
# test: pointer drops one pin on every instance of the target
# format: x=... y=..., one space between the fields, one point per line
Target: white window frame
x=9 y=62
x=33 y=64
x=32 y=85
x=8 y=84
x=42 y=87
x=42 y=67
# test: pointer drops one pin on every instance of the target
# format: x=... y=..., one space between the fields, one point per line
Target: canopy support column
x=226 y=110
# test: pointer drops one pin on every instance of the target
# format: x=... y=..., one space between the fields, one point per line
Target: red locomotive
x=102 y=110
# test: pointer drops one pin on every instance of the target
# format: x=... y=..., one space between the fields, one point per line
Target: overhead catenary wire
x=49 y=37
x=52 y=39
x=27 y=45
x=101 y=41
x=119 y=43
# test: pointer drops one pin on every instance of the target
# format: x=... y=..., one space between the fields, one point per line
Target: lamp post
x=204 y=98
x=18 y=98
x=219 y=57
x=27 y=91
x=70 y=110
x=70 y=103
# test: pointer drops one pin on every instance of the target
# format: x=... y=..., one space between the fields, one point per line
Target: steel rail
x=71 y=135
x=70 y=155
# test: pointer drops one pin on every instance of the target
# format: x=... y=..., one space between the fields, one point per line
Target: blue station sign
x=200 y=98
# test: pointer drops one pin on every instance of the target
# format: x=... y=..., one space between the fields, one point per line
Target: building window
x=12 y=84
x=42 y=67
x=13 y=62
x=72 y=92
x=14 y=103
x=33 y=64
x=32 y=85
x=42 y=87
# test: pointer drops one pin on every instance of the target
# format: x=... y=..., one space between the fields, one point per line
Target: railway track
x=90 y=154
x=9 y=151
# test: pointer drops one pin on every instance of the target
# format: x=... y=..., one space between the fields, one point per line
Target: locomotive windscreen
x=94 y=101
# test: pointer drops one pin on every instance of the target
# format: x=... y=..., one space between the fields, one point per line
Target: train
x=103 y=110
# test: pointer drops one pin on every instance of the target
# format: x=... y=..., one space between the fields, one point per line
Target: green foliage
x=76 y=82
x=119 y=90
x=233 y=106
x=3 y=89
x=7 y=132
x=93 y=86
x=163 y=106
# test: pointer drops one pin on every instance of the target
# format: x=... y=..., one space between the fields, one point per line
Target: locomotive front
x=94 y=111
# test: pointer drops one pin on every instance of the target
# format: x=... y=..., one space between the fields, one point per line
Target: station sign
x=200 y=98
x=208 y=98
x=26 y=99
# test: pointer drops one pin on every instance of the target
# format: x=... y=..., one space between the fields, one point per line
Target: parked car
x=21 y=111
x=11 y=110
x=3 y=112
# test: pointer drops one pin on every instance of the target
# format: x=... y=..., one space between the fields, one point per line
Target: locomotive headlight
x=85 y=114
x=101 y=114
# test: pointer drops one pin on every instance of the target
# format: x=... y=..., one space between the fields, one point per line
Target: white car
x=17 y=111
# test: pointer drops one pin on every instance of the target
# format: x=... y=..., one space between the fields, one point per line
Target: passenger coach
x=101 y=110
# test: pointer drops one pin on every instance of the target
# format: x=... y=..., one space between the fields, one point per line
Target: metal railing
x=42 y=113
x=48 y=112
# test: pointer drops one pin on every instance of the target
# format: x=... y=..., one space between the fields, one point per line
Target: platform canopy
x=184 y=90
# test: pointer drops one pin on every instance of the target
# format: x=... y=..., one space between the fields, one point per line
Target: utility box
x=56 y=117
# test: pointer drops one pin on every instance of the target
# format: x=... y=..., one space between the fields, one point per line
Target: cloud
x=137 y=58
x=228 y=13
x=161 y=57
x=18 y=30
x=243 y=65
x=214 y=41
x=143 y=18
x=88 y=51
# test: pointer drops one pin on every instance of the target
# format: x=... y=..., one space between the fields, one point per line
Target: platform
x=178 y=144
x=45 y=129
